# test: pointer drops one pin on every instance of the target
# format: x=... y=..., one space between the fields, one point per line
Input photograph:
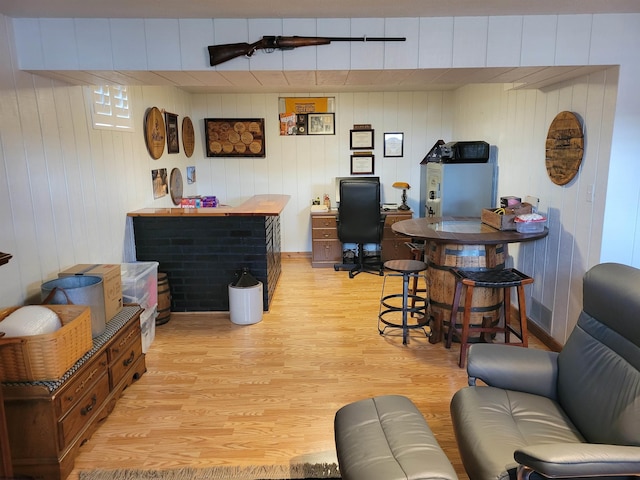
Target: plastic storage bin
x=140 y=285
x=530 y=227
x=148 y=327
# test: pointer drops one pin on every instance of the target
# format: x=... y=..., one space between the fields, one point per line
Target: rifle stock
x=222 y=53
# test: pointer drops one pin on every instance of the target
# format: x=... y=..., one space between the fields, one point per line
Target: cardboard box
x=506 y=220
x=111 y=282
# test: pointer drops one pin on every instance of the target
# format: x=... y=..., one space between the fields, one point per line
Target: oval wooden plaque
x=564 y=148
x=154 y=132
x=188 y=136
x=175 y=186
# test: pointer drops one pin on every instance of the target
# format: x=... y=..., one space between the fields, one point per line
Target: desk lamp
x=404 y=186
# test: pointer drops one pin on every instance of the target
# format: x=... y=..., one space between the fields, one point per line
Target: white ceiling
x=305 y=8
x=320 y=81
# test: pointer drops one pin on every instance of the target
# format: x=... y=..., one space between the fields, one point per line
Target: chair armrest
x=514 y=368
x=577 y=460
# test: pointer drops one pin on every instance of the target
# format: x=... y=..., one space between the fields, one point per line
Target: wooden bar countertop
x=258 y=205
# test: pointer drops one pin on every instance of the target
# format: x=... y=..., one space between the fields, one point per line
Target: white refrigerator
x=456 y=189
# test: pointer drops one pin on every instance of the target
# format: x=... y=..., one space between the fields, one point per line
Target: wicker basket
x=47 y=356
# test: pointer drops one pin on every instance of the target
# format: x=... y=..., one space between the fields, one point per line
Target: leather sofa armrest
x=514 y=368
x=577 y=460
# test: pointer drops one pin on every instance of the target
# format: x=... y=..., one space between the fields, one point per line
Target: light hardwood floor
x=216 y=393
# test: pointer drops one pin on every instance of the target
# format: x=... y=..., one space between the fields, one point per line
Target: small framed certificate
x=362 y=164
x=393 y=144
x=361 y=139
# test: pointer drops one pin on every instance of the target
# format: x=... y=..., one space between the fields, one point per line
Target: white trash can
x=245 y=300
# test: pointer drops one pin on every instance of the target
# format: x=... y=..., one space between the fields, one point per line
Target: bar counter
x=202 y=249
x=258 y=205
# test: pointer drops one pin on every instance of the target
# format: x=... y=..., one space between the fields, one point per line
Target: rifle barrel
x=366 y=39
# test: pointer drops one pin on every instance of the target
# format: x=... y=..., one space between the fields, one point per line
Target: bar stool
x=504 y=279
x=407 y=269
x=417 y=252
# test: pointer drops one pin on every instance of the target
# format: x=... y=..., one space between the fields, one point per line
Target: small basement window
x=111 y=108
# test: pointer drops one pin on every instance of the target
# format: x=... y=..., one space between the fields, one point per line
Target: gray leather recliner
x=571 y=414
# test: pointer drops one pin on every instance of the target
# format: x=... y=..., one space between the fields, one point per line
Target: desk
x=466 y=243
x=326 y=248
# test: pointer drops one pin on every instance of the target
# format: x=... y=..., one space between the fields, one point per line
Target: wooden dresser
x=48 y=421
x=326 y=249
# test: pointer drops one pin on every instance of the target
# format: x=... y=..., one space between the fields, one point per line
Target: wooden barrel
x=440 y=257
x=164 y=299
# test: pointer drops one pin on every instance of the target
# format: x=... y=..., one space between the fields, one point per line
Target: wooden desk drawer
x=327 y=251
x=396 y=249
x=83 y=410
x=324 y=222
x=78 y=386
x=392 y=218
x=324 y=234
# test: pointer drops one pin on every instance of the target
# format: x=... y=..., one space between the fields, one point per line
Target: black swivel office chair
x=360 y=222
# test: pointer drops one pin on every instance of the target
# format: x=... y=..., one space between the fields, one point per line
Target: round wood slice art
x=188 y=136
x=564 y=148
x=176 y=186
x=154 y=132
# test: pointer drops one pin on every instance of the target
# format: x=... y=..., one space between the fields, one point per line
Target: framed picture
x=362 y=164
x=159 y=182
x=171 y=119
x=393 y=144
x=321 y=124
x=235 y=137
x=191 y=174
x=361 y=139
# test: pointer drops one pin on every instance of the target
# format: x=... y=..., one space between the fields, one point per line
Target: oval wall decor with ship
x=188 y=136
x=564 y=148
x=154 y=132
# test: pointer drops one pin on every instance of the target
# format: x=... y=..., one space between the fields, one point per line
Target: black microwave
x=465 y=152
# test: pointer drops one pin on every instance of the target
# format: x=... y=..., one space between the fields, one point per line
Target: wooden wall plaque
x=188 y=136
x=564 y=148
x=154 y=132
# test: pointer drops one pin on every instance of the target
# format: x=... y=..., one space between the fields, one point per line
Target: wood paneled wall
x=65 y=188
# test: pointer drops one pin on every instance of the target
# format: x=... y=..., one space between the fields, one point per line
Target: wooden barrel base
x=487 y=302
x=164 y=299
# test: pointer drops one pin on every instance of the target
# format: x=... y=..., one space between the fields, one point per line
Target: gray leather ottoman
x=387 y=438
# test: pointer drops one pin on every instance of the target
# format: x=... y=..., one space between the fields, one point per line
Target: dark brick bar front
x=201 y=255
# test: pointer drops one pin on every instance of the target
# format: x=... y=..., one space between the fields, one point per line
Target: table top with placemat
x=461 y=230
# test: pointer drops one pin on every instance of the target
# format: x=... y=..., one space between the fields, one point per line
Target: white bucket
x=245 y=304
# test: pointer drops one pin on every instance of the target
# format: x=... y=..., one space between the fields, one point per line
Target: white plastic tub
x=140 y=283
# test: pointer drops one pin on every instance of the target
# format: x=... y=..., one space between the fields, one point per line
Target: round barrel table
x=468 y=244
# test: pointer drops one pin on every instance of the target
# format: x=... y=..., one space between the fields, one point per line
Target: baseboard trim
x=543 y=336
x=537 y=331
